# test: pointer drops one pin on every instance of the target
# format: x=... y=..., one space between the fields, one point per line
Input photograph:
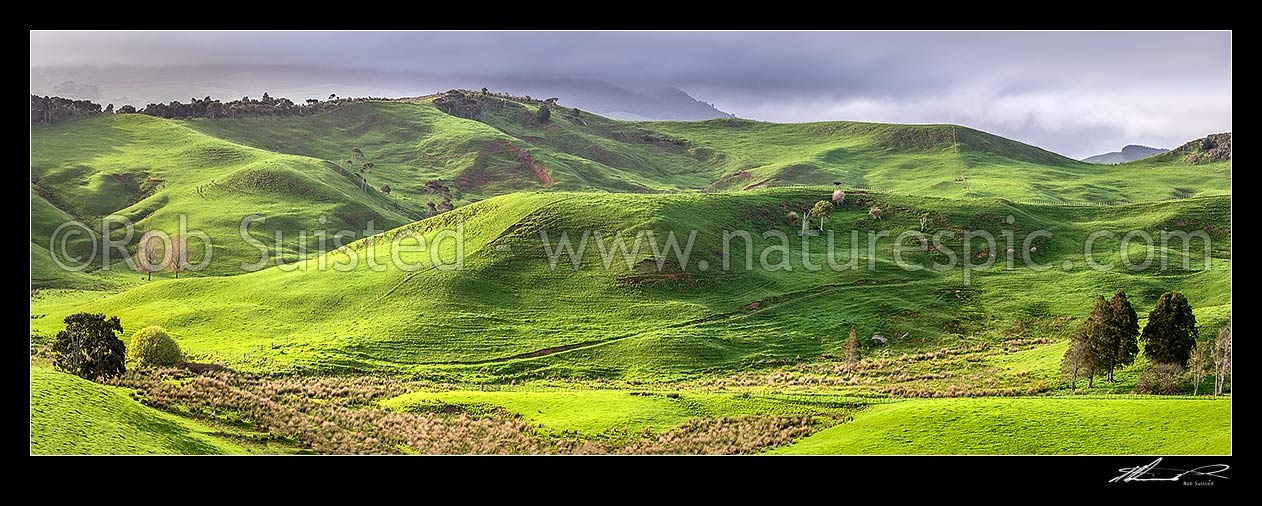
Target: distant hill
x=1127 y=154
x=459 y=148
x=139 y=86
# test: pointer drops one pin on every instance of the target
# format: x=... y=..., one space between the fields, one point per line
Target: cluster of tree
x=46 y=110
x=266 y=106
x=362 y=171
x=90 y=347
x=157 y=253
x=1109 y=338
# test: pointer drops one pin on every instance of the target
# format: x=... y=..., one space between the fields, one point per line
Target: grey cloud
x=1078 y=92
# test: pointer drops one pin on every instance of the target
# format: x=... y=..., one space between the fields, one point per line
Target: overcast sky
x=1075 y=93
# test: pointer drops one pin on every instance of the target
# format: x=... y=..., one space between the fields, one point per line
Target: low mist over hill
x=1129 y=153
x=139 y=86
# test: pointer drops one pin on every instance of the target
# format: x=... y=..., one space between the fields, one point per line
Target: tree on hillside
x=356 y=153
x=89 y=346
x=1079 y=359
x=332 y=96
x=1222 y=359
x=543 y=114
x=109 y=109
x=1200 y=363
x=127 y=109
x=177 y=259
x=364 y=170
x=852 y=348
x=839 y=196
x=385 y=188
x=147 y=253
x=1122 y=329
x=822 y=209
x=1170 y=334
x=484 y=91
x=1095 y=330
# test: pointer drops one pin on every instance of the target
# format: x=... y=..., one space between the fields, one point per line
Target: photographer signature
x=1151 y=472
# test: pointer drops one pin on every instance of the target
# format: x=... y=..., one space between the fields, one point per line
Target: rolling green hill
x=580 y=335
x=508 y=313
x=72 y=416
x=1035 y=426
x=216 y=172
x=153 y=171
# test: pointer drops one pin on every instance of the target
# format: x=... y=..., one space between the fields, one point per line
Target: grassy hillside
x=479 y=152
x=1030 y=426
x=153 y=171
x=611 y=344
x=216 y=172
x=73 y=416
x=601 y=412
x=508 y=314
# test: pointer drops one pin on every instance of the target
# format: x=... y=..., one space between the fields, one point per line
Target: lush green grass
x=70 y=415
x=474 y=322
x=216 y=172
x=1036 y=426
x=597 y=412
x=411 y=143
x=155 y=172
x=510 y=316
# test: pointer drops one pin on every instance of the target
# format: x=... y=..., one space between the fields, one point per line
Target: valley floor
x=74 y=416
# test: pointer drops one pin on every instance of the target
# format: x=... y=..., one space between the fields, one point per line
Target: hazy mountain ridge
x=140 y=86
x=1129 y=153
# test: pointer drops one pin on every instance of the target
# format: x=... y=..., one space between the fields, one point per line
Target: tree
x=109 y=109
x=89 y=347
x=1079 y=359
x=356 y=153
x=127 y=109
x=147 y=253
x=822 y=209
x=484 y=91
x=153 y=346
x=177 y=259
x=385 y=188
x=1170 y=334
x=1222 y=359
x=1122 y=329
x=543 y=114
x=852 y=347
x=1200 y=363
x=1095 y=330
x=332 y=96
x=363 y=180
